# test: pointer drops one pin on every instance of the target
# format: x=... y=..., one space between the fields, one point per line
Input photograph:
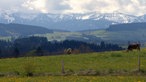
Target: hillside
x=40 y=46
x=119 y=33
x=133 y=32
x=21 y=30
x=127 y=27
x=104 y=63
x=116 y=66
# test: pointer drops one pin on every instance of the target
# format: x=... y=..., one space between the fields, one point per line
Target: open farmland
x=76 y=79
x=93 y=67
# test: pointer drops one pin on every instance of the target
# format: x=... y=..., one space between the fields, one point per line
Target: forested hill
x=21 y=30
x=128 y=27
x=39 y=46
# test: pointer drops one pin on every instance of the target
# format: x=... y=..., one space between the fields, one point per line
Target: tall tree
x=16 y=52
x=39 y=51
x=0 y=53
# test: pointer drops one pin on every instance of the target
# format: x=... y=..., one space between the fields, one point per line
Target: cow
x=133 y=46
x=68 y=51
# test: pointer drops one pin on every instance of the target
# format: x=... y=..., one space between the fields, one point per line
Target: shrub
x=29 y=69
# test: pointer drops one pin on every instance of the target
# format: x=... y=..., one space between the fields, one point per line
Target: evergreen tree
x=16 y=52
x=0 y=53
x=39 y=51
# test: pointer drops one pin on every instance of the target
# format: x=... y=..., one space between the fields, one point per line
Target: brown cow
x=133 y=46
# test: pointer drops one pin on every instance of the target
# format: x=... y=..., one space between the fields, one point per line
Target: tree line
x=40 y=46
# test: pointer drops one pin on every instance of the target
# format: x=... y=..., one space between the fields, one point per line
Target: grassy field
x=60 y=36
x=103 y=34
x=91 y=67
x=76 y=79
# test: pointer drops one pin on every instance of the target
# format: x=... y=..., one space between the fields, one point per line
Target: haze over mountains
x=71 y=22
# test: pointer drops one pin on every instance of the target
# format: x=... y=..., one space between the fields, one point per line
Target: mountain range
x=90 y=27
x=71 y=22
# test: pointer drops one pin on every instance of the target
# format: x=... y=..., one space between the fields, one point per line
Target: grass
x=117 y=61
x=115 y=66
x=59 y=36
x=75 y=79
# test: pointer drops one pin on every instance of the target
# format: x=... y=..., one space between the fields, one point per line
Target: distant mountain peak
x=72 y=22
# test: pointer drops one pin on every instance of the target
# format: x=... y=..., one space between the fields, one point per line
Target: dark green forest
x=40 y=46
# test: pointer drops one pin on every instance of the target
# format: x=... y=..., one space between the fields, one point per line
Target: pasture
x=90 y=67
x=75 y=79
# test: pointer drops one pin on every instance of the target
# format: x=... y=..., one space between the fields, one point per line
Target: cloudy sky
x=133 y=7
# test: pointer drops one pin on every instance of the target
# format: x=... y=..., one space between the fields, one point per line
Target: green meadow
x=75 y=79
x=90 y=67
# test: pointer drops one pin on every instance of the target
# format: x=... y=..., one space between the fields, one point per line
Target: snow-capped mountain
x=72 y=22
x=143 y=18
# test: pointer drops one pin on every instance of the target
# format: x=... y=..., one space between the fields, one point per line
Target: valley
x=120 y=34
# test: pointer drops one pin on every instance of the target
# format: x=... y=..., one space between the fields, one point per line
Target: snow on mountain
x=143 y=18
x=28 y=16
x=7 y=17
x=75 y=22
x=116 y=17
x=119 y=17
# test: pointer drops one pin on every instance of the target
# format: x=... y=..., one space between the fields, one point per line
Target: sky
x=132 y=7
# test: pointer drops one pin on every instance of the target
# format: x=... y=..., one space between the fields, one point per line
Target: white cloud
x=46 y=6
x=135 y=7
x=76 y=6
x=36 y=5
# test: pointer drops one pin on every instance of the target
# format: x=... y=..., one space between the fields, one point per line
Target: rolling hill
x=21 y=30
x=120 y=34
x=127 y=27
x=133 y=32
